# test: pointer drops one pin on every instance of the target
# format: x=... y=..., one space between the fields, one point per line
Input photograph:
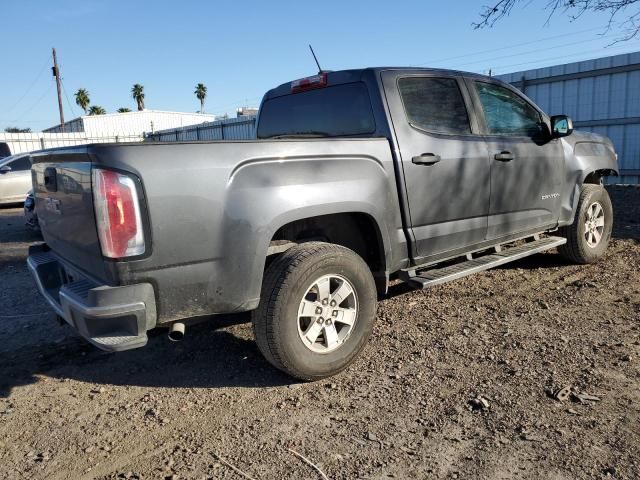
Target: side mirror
x=5 y=169
x=561 y=126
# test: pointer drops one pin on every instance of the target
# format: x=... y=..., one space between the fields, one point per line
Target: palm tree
x=201 y=94
x=97 y=110
x=124 y=110
x=82 y=99
x=137 y=92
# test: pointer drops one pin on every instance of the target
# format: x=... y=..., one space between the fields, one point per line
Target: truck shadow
x=35 y=348
x=208 y=357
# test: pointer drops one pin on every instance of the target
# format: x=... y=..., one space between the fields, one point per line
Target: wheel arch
x=595 y=176
x=357 y=230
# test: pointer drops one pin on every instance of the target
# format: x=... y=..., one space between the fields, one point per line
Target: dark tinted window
x=4 y=150
x=434 y=104
x=506 y=113
x=20 y=164
x=341 y=110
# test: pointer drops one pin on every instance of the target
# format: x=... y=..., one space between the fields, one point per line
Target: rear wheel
x=317 y=310
x=589 y=235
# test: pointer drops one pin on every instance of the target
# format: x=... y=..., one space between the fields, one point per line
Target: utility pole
x=56 y=73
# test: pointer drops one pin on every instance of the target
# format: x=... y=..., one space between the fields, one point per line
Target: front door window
x=506 y=113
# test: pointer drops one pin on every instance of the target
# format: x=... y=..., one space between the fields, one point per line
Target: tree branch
x=624 y=15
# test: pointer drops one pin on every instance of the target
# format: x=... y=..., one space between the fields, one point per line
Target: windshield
x=338 y=111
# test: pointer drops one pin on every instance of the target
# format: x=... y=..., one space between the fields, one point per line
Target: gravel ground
x=455 y=383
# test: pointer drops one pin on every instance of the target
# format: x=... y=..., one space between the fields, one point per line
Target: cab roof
x=361 y=74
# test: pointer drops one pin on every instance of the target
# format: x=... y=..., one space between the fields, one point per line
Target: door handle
x=426 y=159
x=504 y=156
x=50 y=179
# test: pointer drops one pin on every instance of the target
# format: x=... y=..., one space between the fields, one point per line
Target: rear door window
x=336 y=111
x=435 y=105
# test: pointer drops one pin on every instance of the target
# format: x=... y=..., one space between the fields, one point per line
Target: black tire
x=577 y=249
x=286 y=281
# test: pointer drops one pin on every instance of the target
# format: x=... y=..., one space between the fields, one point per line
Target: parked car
x=15 y=178
x=30 y=216
x=356 y=176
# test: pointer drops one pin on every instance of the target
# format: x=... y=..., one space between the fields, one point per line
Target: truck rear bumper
x=111 y=318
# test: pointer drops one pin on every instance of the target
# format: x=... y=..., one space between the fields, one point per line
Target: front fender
x=586 y=154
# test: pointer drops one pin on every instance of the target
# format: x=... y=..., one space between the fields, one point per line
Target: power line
x=44 y=67
x=67 y=97
x=540 y=40
x=590 y=52
x=530 y=51
x=555 y=37
x=37 y=102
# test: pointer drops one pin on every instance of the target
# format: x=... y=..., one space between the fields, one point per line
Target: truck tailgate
x=64 y=205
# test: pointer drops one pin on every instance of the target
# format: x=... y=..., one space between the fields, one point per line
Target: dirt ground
x=454 y=384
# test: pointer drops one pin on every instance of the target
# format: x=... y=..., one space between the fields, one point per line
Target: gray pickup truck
x=356 y=177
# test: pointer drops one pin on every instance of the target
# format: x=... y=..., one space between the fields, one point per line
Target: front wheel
x=317 y=310
x=589 y=235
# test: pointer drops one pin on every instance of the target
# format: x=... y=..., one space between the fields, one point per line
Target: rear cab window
x=342 y=110
x=435 y=105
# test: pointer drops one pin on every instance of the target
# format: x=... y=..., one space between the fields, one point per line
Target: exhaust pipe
x=176 y=332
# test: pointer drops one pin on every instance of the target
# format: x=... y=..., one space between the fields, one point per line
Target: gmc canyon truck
x=355 y=177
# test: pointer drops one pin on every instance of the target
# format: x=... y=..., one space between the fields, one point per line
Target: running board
x=503 y=254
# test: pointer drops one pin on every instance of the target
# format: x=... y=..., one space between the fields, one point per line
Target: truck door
x=444 y=160
x=526 y=165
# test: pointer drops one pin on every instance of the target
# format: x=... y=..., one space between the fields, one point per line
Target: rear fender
x=266 y=194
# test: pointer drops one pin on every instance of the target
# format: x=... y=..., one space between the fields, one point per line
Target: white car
x=15 y=178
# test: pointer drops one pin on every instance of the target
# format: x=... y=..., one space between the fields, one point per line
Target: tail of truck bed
x=64 y=202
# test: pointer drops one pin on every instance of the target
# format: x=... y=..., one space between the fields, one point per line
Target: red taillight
x=309 y=83
x=117 y=214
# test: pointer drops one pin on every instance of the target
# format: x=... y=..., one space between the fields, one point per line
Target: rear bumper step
x=503 y=254
x=111 y=318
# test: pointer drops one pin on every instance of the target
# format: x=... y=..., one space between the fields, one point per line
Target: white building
x=111 y=127
x=13 y=143
x=246 y=112
x=131 y=123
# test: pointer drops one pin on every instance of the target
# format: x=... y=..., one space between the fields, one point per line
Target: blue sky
x=240 y=49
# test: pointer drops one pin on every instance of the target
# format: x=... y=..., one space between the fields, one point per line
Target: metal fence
x=242 y=128
x=602 y=96
x=29 y=142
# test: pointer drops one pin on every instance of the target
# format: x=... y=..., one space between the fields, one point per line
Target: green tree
x=17 y=130
x=201 y=94
x=624 y=15
x=137 y=92
x=124 y=110
x=82 y=99
x=97 y=110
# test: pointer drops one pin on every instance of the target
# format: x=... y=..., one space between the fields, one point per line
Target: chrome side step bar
x=503 y=254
